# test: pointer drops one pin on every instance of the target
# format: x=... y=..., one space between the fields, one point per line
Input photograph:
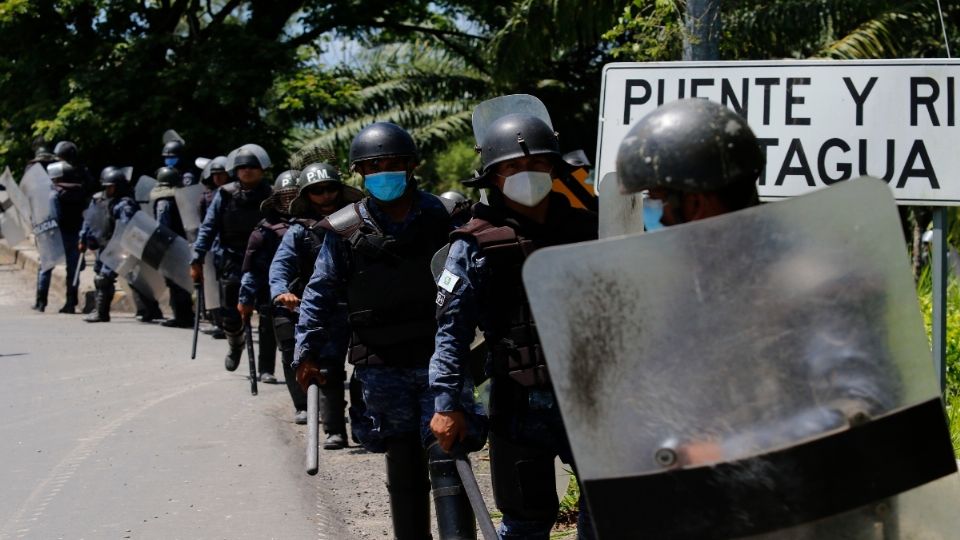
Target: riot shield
x=11 y=226
x=492 y=109
x=188 y=202
x=619 y=214
x=141 y=192
x=97 y=219
x=38 y=188
x=201 y=163
x=17 y=197
x=171 y=135
x=211 y=287
x=158 y=247
x=762 y=372
x=145 y=280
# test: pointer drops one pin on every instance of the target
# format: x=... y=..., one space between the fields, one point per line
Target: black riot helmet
x=514 y=136
x=172 y=149
x=320 y=174
x=168 y=176
x=691 y=145
x=454 y=196
x=61 y=171
x=284 y=191
x=380 y=140
x=113 y=176
x=250 y=156
x=66 y=151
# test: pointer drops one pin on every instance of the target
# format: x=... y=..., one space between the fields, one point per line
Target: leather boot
x=235 y=343
x=104 y=297
x=409 y=488
x=70 y=306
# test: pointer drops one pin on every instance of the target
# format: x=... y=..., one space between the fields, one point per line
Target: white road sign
x=820 y=122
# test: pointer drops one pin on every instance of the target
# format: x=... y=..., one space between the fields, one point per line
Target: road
x=111 y=431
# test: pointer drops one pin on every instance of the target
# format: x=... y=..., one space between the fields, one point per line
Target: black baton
x=198 y=287
x=248 y=337
x=476 y=498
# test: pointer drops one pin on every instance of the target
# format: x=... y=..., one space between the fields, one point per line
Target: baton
x=313 y=429
x=198 y=287
x=476 y=498
x=248 y=337
x=76 y=272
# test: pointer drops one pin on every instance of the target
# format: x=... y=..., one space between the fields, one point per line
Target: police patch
x=447 y=280
x=441 y=298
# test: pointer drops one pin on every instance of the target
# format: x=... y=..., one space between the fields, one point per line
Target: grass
x=952 y=354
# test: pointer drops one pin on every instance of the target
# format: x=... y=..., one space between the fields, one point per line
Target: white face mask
x=528 y=187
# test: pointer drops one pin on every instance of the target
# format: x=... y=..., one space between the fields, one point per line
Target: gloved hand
x=449 y=428
x=308 y=371
x=287 y=300
x=245 y=310
x=196 y=272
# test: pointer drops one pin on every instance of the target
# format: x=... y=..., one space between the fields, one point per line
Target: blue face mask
x=386 y=186
x=171 y=161
x=652 y=214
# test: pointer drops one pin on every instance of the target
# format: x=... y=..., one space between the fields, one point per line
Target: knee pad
x=524 y=481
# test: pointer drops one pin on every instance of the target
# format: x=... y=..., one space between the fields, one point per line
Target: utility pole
x=701 y=41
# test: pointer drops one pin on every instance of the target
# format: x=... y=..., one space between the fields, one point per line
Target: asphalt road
x=111 y=431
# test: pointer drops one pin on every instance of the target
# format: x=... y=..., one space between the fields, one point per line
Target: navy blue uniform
x=481 y=287
x=254 y=286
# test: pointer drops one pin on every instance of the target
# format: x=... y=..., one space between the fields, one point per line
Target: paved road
x=111 y=431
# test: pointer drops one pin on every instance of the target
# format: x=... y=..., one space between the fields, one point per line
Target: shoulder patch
x=447 y=281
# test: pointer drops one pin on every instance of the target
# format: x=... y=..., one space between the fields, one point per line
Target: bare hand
x=449 y=428
x=245 y=310
x=196 y=273
x=287 y=300
x=701 y=453
x=81 y=247
x=308 y=372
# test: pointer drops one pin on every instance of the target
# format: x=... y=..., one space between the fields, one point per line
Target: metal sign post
x=939 y=290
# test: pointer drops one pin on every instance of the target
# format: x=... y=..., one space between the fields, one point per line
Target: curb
x=26 y=259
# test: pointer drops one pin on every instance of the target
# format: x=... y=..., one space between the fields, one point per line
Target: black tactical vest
x=505 y=244
x=271 y=231
x=307 y=256
x=240 y=214
x=72 y=201
x=390 y=290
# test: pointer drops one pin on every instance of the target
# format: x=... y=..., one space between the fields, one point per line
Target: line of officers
x=339 y=275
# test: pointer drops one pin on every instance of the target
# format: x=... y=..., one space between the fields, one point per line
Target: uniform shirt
x=210 y=228
x=322 y=331
x=169 y=216
x=459 y=312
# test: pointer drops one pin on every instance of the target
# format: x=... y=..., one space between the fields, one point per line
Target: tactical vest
x=239 y=215
x=307 y=257
x=72 y=201
x=390 y=290
x=270 y=234
x=512 y=338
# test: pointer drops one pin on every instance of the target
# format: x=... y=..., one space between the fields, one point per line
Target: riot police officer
x=320 y=193
x=232 y=216
x=372 y=293
x=173 y=154
x=481 y=285
x=119 y=207
x=261 y=247
x=165 y=209
x=212 y=177
x=68 y=202
x=68 y=151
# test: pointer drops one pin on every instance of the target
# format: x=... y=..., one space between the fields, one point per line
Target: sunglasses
x=322 y=189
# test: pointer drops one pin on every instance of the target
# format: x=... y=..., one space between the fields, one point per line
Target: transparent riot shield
x=171 y=135
x=490 y=110
x=619 y=214
x=17 y=197
x=188 y=203
x=11 y=227
x=211 y=287
x=97 y=219
x=145 y=280
x=765 y=372
x=141 y=192
x=158 y=247
x=38 y=188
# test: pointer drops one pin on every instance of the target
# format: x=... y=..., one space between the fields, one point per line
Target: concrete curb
x=26 y=258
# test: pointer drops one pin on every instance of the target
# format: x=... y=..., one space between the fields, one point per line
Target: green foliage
x=648 y=30
x=952 y=354
x=444 y=170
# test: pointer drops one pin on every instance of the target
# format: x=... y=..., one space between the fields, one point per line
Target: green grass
x=952 y=352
